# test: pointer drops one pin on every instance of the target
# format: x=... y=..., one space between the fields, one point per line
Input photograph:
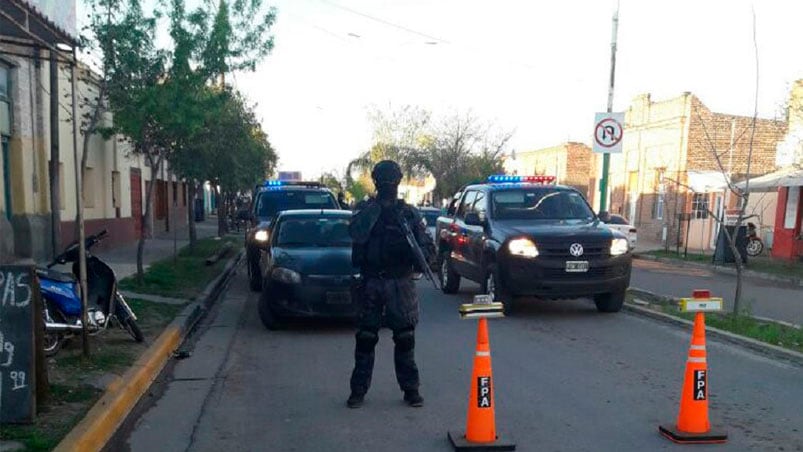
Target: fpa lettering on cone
x=480 y=433
x=692 y=425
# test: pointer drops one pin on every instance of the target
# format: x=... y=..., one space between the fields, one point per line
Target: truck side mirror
x=604 y=217
x=473 y=219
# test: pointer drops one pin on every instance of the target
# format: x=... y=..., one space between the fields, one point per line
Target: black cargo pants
x=390 y=302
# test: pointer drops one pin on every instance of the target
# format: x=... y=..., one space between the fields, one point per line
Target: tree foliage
x=455 y=150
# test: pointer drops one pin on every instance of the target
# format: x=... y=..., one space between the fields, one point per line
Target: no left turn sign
x=608 y=132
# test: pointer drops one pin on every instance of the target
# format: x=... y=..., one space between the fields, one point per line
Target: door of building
x=719 y=212
x=136 y=200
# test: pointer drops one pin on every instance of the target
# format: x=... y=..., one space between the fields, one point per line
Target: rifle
x=419 y=254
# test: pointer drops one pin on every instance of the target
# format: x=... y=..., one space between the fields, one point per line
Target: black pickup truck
x=523 y=236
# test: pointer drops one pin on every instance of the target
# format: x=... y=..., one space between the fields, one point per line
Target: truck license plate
x=577 y=266
x=338 y=297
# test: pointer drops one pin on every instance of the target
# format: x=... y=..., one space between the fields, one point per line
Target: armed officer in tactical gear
x=386 y=291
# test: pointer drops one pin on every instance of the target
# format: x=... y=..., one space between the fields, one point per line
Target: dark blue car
x=306 y=267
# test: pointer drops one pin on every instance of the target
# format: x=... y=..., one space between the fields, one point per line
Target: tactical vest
x=386 y=249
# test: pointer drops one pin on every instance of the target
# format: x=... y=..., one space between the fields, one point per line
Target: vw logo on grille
x=576 y=250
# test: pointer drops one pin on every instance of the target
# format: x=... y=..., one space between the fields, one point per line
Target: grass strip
x=184 y=276
x=743 y=325
x=760 y=264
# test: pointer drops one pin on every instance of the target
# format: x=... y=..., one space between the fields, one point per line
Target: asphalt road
x=566 y=379
x=775 y=300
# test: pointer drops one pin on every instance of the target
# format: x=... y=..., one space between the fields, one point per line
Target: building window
x=660 y=192
x=5 y=131
x=699 y=206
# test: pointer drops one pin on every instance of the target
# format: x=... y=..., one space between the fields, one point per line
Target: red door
x=136 y=200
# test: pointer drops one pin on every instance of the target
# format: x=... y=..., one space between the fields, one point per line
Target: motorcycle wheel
x=754 y=247
x=52 y=343
x=131 y=326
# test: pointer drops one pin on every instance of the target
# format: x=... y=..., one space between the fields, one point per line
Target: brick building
x=570 y=163
x=668 y=166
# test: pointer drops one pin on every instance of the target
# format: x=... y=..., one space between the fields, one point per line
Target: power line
x=385 y=22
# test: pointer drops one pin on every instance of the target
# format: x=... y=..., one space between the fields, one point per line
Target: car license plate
x=577 y=266
x=338 y=297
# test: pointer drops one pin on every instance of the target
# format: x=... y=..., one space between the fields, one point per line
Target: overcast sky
x=540 y=68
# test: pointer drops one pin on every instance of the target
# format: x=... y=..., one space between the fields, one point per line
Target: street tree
x=209 y=41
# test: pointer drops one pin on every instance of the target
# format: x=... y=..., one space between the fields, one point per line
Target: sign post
x=606 y=157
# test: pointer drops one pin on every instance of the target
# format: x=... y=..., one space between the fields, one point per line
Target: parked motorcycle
x=754 y=243
x=62 y=299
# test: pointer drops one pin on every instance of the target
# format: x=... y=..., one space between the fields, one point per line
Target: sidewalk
x=762 y=298
x=123 y=260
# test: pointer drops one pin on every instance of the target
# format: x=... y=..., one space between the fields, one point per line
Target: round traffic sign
x=608 y=133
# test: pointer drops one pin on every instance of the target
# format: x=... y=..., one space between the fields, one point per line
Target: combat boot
x=355 y=400
x=413 y=398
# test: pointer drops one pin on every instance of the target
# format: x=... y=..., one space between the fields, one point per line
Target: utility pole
x=606 y=157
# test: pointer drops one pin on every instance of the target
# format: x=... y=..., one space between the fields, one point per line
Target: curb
x=722 y=269
x=122 y=394
x=746 y=342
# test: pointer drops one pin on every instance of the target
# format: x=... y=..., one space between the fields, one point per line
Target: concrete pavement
x=123 y=260
x=770 y=299
x=566 y=378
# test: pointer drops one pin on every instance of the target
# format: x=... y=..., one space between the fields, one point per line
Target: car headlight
x=619 y=247
x=285 y=275
x=522 y=247
x=261 y=235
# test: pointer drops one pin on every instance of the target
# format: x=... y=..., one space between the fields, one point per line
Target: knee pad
x=366 y=340
x=404 y=339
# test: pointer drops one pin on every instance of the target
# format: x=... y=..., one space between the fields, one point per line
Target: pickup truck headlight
x=619 y=247
x=522 y=247
x=285 y=275
x=261 y=235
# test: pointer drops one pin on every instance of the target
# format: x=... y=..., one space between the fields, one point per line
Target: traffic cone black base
x=459 y=443
x=710 y=437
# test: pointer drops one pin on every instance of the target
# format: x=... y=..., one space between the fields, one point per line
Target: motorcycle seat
x=54 y=275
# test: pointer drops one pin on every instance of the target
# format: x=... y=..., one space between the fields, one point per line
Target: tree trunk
x=191 y=188
x=221 y=213
x=146 y=216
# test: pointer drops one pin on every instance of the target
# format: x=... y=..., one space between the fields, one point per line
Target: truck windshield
x=270 y=203
x=540 y=204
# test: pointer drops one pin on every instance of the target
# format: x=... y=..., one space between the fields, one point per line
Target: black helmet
x=386 y=172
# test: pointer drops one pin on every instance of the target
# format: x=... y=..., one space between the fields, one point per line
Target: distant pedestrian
x=386 y=292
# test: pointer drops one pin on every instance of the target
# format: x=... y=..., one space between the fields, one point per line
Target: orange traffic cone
x=692 y=424
x=481 y=422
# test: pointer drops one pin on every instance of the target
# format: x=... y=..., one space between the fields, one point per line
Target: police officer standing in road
x=386 y=291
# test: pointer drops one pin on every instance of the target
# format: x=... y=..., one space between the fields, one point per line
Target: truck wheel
x=450 y=280
x=254 y=275
x=269 y=318
x=610 y=302
x=496 y=290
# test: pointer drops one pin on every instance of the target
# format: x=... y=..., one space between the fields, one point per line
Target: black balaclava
x=387 y=176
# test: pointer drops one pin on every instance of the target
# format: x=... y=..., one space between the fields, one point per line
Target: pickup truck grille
x=561 y=250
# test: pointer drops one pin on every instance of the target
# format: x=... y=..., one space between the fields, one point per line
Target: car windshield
x=313 y=231
x=540 y=204
x=272 y=202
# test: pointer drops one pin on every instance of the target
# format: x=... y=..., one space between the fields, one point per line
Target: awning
x=788 y=177
x=706 y=181
x=20 y=20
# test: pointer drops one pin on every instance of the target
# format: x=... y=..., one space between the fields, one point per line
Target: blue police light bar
x=503 y=178
x=272 y=183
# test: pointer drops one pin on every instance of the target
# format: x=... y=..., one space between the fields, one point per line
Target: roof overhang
x=787 y=177
x=21 y=21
